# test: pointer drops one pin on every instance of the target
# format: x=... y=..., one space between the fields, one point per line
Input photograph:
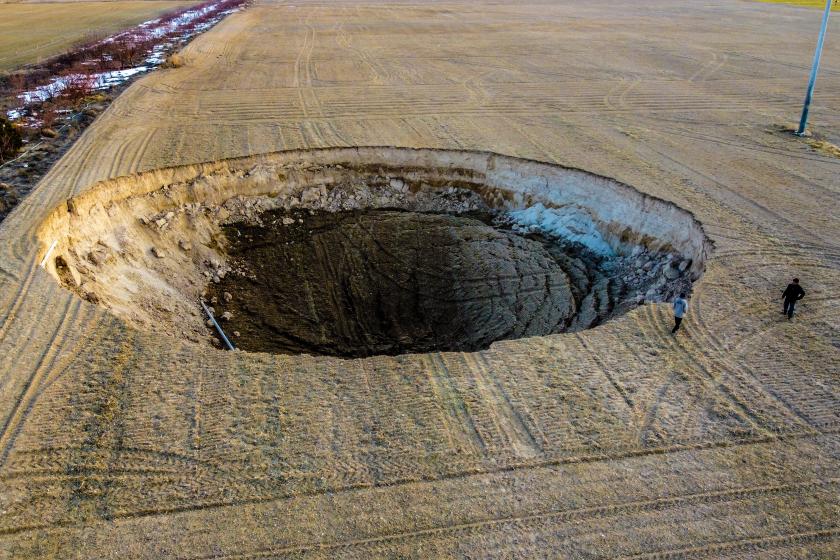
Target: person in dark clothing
x=791 y=295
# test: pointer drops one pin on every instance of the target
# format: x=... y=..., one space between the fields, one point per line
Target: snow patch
x=569 y=223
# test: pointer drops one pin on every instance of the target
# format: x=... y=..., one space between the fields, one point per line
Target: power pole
x=814 y=68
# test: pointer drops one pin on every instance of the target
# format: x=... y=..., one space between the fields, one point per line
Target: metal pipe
x=216 y=324
x=803 y=122
x=49 y=252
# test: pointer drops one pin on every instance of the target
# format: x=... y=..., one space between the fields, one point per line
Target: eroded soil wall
x=148 y=246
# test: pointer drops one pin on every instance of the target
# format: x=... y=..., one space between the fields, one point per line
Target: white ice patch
x=568 y=223
x=98 y=81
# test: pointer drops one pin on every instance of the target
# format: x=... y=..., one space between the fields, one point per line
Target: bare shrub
x=16 y=83
x=49 y=115
x=174 y=61
x=130 y=48
x=10 y=140
x=78 y=84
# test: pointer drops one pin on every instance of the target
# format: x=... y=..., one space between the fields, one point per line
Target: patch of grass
x=825 y=147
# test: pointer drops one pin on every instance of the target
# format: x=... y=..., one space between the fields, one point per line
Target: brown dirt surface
x=620 y=441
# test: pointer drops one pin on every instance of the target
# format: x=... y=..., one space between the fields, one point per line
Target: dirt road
x=621 y=441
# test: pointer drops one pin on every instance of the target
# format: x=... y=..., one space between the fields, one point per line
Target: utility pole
x=814 y=68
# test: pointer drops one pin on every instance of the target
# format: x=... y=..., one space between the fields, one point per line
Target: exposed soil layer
x=356 y=252
x=362 y=283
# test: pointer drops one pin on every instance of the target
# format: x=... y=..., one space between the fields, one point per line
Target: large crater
x=364 y=251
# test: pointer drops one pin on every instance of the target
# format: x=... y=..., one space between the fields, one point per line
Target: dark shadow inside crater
x=361 y=283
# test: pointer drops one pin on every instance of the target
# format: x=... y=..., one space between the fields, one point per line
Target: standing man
x=791 y=295
x=680 y=307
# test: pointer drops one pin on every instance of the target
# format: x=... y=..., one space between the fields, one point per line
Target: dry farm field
x=32 y=32
x=120 y=437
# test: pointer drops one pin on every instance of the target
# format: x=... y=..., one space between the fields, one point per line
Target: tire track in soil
x=469 y=471
x=24 y=404
x=508 y=420
x=522 y=522
x=713 y=349
x=734 y=142
x=137 y=157
x=455 y=418
x=710 y=68
x=772 y=217
x=31 y=462
x=705 y=376
x=443 y=383
x=710 y=350
x=742 y=545
x=620 y=389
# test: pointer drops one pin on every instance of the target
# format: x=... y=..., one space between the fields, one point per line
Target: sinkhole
x=356 y=252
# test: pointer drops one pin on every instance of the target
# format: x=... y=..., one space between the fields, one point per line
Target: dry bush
x=10 y=140
x=16 y=83
x=78 y=84
x=49 y=115
x=825 y=147
x=131 y=48
x=174 y=61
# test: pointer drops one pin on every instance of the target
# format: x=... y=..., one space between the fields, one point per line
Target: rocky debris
x=100 y=254
x=48 y=133
x=158 y=252
x=215 y=270
x=227 y=297
x=227 y=316
x=185 y=245
x=86 y=291
x=378 y=192
x=160 y=220
x=670 y=272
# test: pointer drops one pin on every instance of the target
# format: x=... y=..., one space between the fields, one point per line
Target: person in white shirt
x=680 y=308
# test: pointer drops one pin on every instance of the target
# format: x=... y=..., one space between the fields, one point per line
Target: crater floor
x=387 y=282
